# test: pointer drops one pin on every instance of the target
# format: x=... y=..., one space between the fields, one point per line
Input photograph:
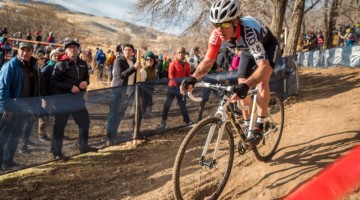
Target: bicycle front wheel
x=203 y=177
x=273 y=128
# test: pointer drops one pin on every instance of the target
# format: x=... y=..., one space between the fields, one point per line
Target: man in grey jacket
x=124 y=74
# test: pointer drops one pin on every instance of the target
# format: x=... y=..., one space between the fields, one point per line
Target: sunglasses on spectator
x=223 y=24
x=149 y=59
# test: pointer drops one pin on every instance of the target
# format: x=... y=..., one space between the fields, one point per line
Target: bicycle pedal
x=241 y=148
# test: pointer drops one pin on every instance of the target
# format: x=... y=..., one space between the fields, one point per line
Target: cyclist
x=257 y=59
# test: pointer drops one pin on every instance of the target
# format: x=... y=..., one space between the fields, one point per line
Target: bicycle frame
x=226 y=114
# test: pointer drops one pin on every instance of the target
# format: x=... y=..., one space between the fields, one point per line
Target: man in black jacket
x=70 y=76
x=124 y=74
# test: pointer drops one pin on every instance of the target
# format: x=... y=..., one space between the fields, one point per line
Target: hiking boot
x=161 y=126
x=256 y=136
x=109 y=142
x=87 y=149
x=60 y=157
x=190 y=123
x=44 y=138
x=23 y=149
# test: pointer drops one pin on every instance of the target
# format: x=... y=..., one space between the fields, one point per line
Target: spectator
x=85 y=57
x=165 y=68
x=28 y=36
x=350 y=40
x=320 y=40
x=110 y=63
x=195 y=58
x=179 y=68
x=49 y=90
x=357 y=31
x=3 y=32
x=118 y=48
x=124 y=74
x=17 y=35
x=90 y=56
x=37 y=46
x=48 y=50
x=148 y=73
x=51 y=38
x=224 y=58
x=18 y=79
x=29 y=123
x=159 y=67
x=38 y=37
x=70 y=76
x=235 y=61
x=100 y=62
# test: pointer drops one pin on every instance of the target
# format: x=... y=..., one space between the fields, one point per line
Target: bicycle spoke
x=197 y=176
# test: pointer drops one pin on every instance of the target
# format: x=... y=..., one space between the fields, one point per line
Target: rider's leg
x=263 y=99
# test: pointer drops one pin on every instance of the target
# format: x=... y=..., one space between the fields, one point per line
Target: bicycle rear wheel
x=273 y=128
x=194 y=177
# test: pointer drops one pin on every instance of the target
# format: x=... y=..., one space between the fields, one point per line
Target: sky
x=116 y=9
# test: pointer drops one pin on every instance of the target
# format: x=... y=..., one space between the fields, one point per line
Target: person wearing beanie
x=45 y=75
x=148 y=73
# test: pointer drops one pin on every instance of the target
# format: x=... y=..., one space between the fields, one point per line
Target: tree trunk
x=296 y=21
x=331 y=23
x=278 y=18
x=326 y=32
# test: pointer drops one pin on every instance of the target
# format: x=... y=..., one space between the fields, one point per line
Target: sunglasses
x=149 y=59
x=223 y=24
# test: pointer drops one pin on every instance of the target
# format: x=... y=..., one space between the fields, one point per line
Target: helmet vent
x=233 y=13
x=223 y=15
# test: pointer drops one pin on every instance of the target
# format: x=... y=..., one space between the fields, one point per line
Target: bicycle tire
x=190 y=179
x=275 y=117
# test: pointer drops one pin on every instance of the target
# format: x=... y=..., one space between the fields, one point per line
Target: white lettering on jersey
x=213 y=38
x=250 y=36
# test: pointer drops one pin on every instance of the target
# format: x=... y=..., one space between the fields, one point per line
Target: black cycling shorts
x=247 y=64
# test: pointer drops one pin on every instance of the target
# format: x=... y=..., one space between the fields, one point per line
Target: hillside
x=105 y=31
x=92 y=30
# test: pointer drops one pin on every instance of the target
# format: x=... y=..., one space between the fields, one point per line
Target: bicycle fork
x=220 y=134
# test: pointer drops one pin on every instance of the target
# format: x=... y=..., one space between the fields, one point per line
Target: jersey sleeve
x=253 y=41
x=213 y=45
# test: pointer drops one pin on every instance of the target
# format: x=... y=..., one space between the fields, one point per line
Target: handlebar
x=218 y=87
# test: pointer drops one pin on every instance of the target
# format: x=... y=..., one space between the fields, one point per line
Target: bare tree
x=173 y=11
x=331 y=22
x=278 y=18
x=326 y=10
x=296 y=20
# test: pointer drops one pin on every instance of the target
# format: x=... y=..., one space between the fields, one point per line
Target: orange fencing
x=334 y=182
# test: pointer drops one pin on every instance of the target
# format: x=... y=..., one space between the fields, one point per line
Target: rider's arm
x=203 y=68
x=210 y=56
x=260 y=74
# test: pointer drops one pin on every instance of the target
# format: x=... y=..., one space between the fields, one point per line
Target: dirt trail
x=321 y=124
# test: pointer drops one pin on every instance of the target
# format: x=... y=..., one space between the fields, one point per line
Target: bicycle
x=210 y=153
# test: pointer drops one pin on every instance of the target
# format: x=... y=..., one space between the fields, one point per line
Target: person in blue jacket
x=100 y=63
x=19 y=79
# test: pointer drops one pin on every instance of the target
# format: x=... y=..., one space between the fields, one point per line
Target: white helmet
x=224 y=10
